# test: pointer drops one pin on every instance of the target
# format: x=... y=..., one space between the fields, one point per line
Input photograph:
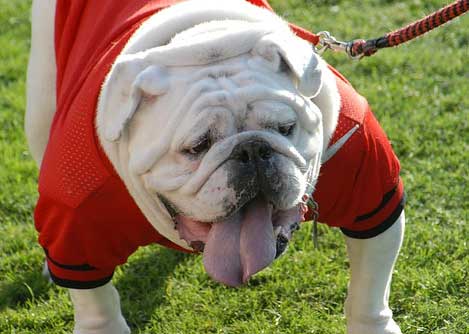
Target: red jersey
x=359 y=188
x=87 y=221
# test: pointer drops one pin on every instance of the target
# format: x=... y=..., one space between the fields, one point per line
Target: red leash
x=361 y=48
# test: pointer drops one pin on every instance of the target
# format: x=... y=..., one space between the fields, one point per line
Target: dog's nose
x=252 y=151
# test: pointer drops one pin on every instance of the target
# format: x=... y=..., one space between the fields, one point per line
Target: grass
x=420 y=95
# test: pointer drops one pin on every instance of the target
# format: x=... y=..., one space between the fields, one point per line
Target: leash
x=360 y=48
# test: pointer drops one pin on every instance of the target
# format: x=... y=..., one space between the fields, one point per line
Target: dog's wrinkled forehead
x=242 y=83
x=270 y=50
x=274 y=47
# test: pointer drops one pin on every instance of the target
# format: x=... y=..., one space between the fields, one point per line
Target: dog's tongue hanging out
x=237 y=247
x=242 y=245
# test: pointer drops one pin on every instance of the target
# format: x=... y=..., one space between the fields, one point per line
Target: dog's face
x=229 y=145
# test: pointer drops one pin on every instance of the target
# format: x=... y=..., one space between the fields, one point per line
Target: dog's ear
x=130 y=79
x=280 y=48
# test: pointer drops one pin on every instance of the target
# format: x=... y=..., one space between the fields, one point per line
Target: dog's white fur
x=169 y=71
x=98 y=310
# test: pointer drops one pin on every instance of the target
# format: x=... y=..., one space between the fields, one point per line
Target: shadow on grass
x=143 y=283
x=26 y=286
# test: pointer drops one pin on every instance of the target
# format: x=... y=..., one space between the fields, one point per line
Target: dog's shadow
x=142 y=282
x=26 y=286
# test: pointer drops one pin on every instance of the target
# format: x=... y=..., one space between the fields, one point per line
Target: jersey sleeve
x=84 y=244
x=378 y=192
x=359 y=189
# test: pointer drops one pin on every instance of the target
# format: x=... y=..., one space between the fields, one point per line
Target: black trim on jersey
x=76 y=267
x=386 y=198
x=387 y=223
x=65 y=283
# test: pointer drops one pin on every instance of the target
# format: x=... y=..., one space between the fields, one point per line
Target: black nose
x=251 y=151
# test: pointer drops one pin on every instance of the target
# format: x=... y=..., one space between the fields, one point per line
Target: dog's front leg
x=371 y=265
x=98 y=311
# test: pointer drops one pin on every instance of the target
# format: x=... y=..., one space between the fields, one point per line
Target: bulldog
x=205 y=127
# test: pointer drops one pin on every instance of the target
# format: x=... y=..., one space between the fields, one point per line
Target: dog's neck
x=328 y=101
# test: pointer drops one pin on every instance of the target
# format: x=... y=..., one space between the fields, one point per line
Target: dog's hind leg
x=98 y=311
x=371 y=265
x=46 y=273
x=40 y=84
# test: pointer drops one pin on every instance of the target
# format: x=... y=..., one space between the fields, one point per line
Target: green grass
x=420 y=95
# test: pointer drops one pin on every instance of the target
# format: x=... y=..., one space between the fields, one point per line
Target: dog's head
x=218 y=128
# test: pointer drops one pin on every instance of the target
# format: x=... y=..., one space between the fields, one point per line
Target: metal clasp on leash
x=329 y=42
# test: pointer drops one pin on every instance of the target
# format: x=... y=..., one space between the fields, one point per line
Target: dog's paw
x=389 y=327
x=118 y=326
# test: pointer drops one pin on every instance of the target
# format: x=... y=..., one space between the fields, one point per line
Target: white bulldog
x=215 y=117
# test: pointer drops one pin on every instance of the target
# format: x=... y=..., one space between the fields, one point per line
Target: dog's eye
x=202 y=146
x=286 y=129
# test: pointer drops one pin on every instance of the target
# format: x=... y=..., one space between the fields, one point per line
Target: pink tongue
x=242 y=245
x=221 y=252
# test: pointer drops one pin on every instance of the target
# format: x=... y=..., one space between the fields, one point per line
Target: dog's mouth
x=237 y=247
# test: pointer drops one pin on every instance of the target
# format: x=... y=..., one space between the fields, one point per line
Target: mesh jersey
x=87 y=221
x=359 y=188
